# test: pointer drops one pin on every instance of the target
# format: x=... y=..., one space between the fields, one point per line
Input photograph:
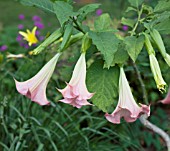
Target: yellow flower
x=30 y=36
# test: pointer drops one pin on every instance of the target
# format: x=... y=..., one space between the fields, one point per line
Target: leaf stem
x=138 y=21
x=77 y=25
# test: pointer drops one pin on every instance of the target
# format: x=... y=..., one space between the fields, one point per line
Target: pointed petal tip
x=145 y=109
x=60 y=90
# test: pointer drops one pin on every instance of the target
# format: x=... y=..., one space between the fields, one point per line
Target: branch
x=149 y=125
x=143 y=118
x=145 y=97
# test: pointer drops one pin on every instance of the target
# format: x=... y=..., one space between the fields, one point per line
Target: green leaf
x=162 y=6
x=134 y=46
x=106 y=43
x=130 y=9
x=135 y=3
x=128 y=22
x=103 y=23
x=63 y=11
x=104 y=83
x=163 y=27
x=121 y=55
x=160 y=18
x=148 y=9
x=43 y=4
x=85 y=10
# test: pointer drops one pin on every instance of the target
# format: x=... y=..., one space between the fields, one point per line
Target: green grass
x=10 y=9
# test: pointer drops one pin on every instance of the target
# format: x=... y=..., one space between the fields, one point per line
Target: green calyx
x=56 y=35
x=86 y=43
x=158 y=41
x=148 y=44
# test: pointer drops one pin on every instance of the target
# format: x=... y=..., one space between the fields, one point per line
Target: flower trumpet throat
x=30 y=36
x=76 y=93
x=127 y=106
x=35 y=88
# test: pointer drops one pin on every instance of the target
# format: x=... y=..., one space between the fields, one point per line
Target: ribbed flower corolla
x=35 y=88
x=30 y=36
x=76 y=93
x=166 y=100
x=127 y=106
x=157 y=73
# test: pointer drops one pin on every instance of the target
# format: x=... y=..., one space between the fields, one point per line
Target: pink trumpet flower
x=166 y=100
x=35 y=88
x=76 y=93
x=127 y=107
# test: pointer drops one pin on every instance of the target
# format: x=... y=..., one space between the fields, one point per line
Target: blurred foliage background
x=27 y=126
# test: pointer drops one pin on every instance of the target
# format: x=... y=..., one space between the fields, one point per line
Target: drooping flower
x=30 y=36
x=166 y=100
x=157 y=73
x=127 y=106
x=35 y=88
x=76 y=93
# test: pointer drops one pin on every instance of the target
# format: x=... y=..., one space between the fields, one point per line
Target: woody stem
x=149 y=125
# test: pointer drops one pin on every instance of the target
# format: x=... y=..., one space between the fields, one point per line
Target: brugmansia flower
x=167 y=99
x=157 y=73
x=126 y=107
x=35 y=88
x=30 y=36
x=76 y=93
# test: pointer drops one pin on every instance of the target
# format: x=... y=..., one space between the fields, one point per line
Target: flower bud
x=53 y=37
x=157 y=73
x=159 y=42
x=154 y=65
x=148 y=44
